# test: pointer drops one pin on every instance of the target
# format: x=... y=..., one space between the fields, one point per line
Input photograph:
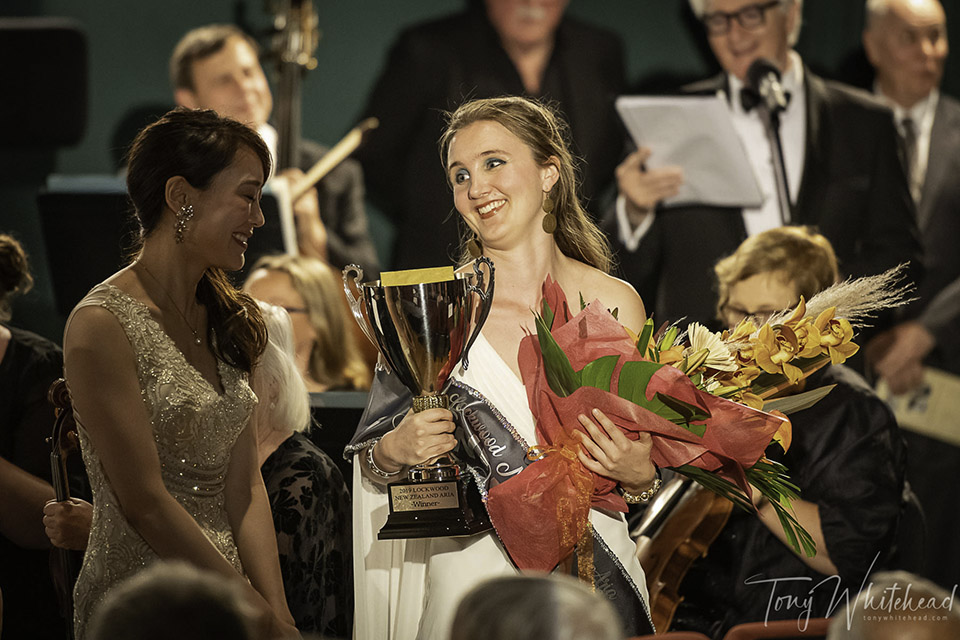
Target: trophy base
x=434 y=510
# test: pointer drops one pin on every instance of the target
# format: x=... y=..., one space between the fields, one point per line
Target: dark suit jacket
x=342 y=211
x=436 y=66
x=853 y=189
x=938 y=216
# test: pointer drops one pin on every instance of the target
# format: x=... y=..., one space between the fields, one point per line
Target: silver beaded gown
x=194 y=428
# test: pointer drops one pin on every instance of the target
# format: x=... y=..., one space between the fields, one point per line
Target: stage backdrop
x=129 y=44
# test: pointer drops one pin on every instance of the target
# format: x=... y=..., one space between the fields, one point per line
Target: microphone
x=763 y=78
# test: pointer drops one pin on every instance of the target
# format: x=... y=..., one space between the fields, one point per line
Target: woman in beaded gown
x=157 y=358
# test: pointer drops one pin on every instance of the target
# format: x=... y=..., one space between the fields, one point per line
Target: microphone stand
x=771 y=124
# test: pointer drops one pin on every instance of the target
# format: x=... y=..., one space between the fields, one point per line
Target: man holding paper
x=843 y=174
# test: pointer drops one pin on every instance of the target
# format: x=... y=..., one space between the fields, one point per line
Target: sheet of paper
x=932 y=409
x=695 y=133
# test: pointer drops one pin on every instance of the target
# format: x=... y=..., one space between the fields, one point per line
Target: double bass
x=677 y=528
x=295 y=41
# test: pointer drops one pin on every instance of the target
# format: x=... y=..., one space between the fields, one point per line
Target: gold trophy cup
x=423 y=322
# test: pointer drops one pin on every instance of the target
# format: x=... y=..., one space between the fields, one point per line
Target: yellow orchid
x=672 y=355
x=752 y=400
x=784 y=435
x=742 y=346
x=739 y=379
x=742 y=331
x=798 y=314
x=808 y=338
x=836 y=336
x=774 y=350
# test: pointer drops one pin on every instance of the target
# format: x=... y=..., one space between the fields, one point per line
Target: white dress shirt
x=270 y=138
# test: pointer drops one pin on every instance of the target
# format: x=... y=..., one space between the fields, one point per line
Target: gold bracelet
x=644 y=496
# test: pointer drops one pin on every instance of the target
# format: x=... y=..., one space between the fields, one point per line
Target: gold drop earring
x=549 y=221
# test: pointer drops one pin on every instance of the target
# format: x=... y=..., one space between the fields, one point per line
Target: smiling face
x=227 y=212
x=232 y=83
x=498 y=187
x=738 y=48
x=907 y=46
x=759 y=295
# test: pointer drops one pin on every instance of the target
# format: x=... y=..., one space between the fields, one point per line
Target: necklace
x=196 y=336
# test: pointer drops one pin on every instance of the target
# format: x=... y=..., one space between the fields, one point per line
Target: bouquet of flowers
x=703 y=397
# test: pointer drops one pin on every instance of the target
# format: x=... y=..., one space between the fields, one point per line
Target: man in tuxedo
x=840 y=153
x=906 y=42
x=492 y=48
x=217 y=67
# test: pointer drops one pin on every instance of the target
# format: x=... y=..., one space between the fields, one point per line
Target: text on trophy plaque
x=424 y=496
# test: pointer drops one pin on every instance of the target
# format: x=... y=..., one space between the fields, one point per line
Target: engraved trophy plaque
x=423 y=322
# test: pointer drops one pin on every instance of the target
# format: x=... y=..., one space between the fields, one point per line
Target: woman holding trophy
x=513 y=181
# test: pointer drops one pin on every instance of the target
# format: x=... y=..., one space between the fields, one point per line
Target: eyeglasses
x=751 y=17
x=293 y=310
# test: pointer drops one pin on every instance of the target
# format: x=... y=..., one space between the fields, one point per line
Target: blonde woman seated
x=308 y=497
x=847 y=457
x=325 y=340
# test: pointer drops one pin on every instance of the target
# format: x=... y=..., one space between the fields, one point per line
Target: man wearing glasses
x=840 y=154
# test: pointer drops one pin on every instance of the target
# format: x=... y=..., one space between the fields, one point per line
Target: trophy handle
x=486 y=300
x=355 y=301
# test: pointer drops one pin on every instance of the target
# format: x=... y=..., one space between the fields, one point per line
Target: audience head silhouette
x=535 y=607
x=174 y=600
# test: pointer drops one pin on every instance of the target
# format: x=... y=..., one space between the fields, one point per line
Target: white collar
x=919 y=112
x=270 y=138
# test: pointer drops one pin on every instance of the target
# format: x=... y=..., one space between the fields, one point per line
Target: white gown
x=410 y=589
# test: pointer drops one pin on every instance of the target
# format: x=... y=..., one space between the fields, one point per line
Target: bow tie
x=750 y=99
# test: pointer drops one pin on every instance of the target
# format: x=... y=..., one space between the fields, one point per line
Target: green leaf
x=669 y=337
x=798 y=402
x=688 y=413
x=583 y=303
x=632 y=386
x=633 y=381
x=599 y=372
x=548 y=314
x=645 y=334
x=719 y=485
x=561 y=377
x=771 y=480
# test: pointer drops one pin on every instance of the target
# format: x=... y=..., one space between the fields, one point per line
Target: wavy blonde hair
x=277 y=370
x=804 y=258
x=335 y=360
x=546 y=134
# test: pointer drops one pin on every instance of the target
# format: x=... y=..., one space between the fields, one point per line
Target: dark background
x=128 y=45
